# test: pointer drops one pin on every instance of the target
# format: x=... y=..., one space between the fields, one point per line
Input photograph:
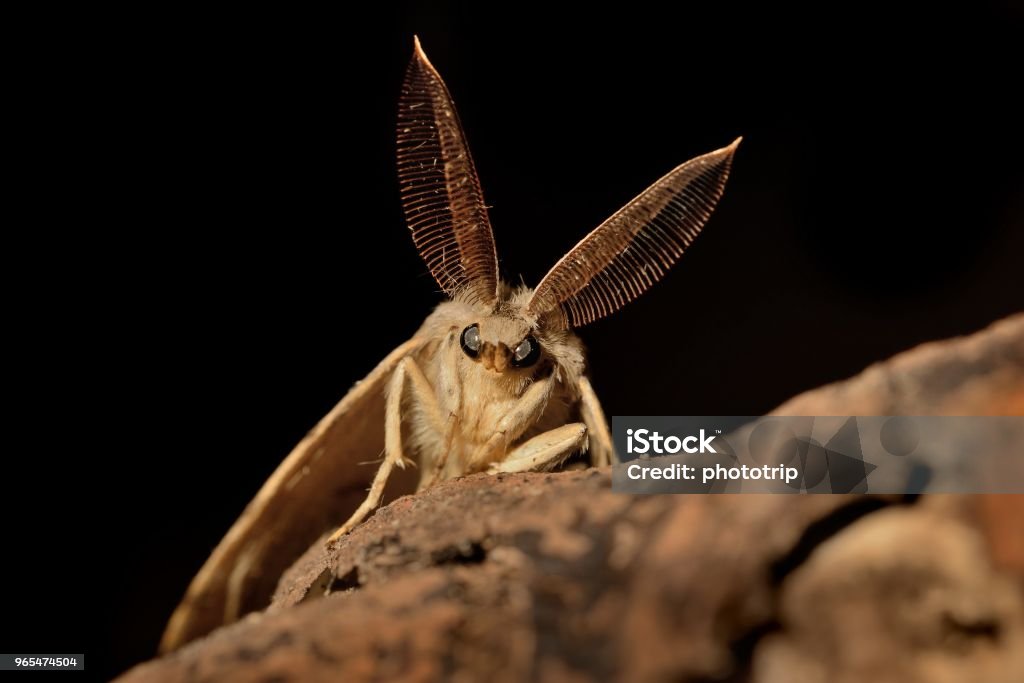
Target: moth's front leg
x=602 y=450
x=406 y=375
x=526 y=411
x=544 y=451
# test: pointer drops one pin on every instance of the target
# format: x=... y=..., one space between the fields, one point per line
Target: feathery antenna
x=444 y=206
x=620 y=259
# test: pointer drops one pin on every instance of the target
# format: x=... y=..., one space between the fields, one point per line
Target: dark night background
x=210 y=248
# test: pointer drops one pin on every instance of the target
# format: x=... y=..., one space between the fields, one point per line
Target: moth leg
x=602 y=450
x=527 y=409
x=444 y=427
x=393 y=456
x=422 y=394
x=544 y=451
x=431 y=476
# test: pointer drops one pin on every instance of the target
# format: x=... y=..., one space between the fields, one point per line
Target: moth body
x=493 y=381
x=476 y=395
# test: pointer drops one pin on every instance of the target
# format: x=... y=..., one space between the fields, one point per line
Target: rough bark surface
x=553 y=577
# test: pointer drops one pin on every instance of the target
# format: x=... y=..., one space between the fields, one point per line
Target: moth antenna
x=444 y=206
x=621 y=258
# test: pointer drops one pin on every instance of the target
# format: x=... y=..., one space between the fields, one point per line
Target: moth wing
x=315 y=489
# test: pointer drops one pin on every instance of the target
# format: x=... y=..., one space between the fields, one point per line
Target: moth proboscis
x=493 y=381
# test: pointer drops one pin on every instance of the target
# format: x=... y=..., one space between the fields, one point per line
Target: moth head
x=611 y=266
x=503 y=340
x=499 y=346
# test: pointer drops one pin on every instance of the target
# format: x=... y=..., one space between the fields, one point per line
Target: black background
x=207 y=247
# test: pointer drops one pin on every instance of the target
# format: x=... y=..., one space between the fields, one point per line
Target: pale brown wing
x=441 y=194
x=315 y=489
x=634 y=248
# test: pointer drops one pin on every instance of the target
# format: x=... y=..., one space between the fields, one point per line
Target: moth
x=493 y=381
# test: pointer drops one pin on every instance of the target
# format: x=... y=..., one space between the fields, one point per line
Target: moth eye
x=471 y=340
x=526 y=353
